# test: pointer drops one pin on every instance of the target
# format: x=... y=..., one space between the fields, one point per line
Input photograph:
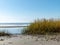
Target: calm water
x=12 y=30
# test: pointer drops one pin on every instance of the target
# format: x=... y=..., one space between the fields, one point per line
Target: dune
x=27 y=40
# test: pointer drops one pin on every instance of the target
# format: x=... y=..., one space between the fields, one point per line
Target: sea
x=13 y=30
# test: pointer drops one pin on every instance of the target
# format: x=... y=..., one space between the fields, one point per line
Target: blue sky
x=28 y=10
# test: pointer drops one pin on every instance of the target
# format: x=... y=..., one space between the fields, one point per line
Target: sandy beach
x=28 y=40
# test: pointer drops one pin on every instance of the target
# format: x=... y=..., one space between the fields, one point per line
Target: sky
x=17 y=11
x=28 y=10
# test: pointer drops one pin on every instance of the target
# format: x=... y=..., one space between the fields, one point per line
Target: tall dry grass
x=43 y=27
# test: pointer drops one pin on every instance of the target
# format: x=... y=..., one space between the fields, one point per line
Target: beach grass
x=3 y=33
x=43 y=27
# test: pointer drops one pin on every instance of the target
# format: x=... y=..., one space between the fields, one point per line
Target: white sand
x=28 y=40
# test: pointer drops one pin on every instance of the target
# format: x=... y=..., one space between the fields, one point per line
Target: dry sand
x=29 y=40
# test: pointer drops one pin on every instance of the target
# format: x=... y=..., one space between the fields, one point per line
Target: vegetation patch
x=4 y=33
x=43 y=27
